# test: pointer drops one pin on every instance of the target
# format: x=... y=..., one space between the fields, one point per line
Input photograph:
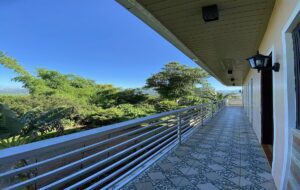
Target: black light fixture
x=261 y=62
x=210 y=13
x=232 y=79
x=233 y=84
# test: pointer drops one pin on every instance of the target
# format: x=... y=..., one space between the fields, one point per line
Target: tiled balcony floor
x=223 y=154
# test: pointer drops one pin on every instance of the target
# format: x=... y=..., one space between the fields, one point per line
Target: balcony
x=223 y=154
x=200 y=147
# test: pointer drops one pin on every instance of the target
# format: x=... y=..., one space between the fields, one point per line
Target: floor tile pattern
x=223 y=154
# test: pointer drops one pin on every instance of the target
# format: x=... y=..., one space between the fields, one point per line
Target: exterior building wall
x=272 y=43
x=255 y=108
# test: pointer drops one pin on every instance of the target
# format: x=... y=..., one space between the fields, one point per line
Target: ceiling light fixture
x=210 y=13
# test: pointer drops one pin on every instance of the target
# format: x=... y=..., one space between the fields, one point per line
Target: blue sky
x=96 y=39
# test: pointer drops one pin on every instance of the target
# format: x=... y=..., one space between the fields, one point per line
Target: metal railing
x=101 y=157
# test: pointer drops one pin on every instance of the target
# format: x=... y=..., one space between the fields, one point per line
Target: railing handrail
x=47 y=144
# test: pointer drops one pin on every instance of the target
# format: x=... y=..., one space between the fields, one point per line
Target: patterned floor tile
x=207 y=186
x=180 y=181
x=188 y=171
x=241 y=181
x=212 y=176
x=156 y=175
x=268 y=185
x=144 y=186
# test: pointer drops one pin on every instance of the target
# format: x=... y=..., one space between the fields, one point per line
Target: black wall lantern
x=261 y=62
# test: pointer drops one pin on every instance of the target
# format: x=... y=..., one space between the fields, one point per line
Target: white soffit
x=216 y=46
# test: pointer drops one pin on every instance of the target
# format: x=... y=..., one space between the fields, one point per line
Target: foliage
x=149 y=109
x=130 y=111
x=166 y=105
x=41 y=122
x=24 y=104
x=11 y=63
x=206 y=92
x=131 y=96
x=105 y=96
x=191 y=100
x=10 y=125
x=176 y=81
x=119 y=113
x=14 y=141
x=109 y=96
x=57 y=101
x=105 y=117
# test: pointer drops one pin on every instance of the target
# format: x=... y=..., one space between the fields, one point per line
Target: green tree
x=131 y=96
x=10 y=125
x=105 y=96
x=206 y=92
x=176 y=80
x=57 y=103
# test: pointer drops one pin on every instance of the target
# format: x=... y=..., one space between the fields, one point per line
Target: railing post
x=201 y=114
x=179 y=128
x=212 y=109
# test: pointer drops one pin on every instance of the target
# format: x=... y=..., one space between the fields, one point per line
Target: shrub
x=166 y=105
x=190 y=100
x=131 y=96
x=130 y=111
x=105 y=117
x=10 y=125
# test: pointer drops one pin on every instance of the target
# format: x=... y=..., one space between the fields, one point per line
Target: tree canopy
x=58 y=102
x=176 y=80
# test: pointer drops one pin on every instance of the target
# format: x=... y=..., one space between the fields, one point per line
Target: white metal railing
x=101 y=157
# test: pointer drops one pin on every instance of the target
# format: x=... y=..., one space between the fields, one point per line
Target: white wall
x=255 y=108
x=272 y=42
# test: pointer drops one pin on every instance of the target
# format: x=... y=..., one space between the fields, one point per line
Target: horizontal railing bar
x=78 y=162
x=88 y=179
x=110 y=185
x=21 y=151
x=95 y=185
x=188 y=112
x=188 y=120
x=185 y=122
x=77 y=151
x=171 y=145
x=186 y=128
x=112 y=175
x=62 y=181
x=189 y=116
x=194 y=123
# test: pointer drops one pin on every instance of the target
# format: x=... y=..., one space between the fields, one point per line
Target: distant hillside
x=13 y=91
x=229 y=91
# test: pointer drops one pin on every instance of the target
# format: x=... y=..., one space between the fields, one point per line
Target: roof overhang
x=216 y=46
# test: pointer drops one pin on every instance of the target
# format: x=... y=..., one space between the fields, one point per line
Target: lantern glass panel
x=259 y=62
x=266 y=62
x=252 y=62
